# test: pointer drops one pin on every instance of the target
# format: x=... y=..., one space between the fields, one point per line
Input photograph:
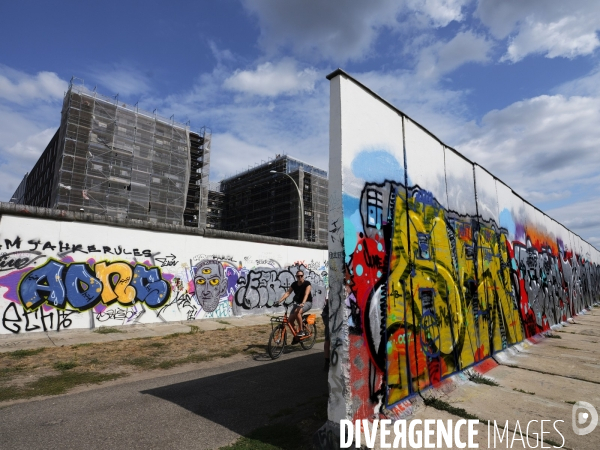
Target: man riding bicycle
x=302 y=300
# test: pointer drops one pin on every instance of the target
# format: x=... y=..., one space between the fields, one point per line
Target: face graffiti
x=210 y=284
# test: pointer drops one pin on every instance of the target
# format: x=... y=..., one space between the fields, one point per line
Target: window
x=374 y=208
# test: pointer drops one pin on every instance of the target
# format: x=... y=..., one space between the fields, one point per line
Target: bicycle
x=278 y=337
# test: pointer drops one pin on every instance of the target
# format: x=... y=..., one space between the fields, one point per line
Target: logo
x=580 y=418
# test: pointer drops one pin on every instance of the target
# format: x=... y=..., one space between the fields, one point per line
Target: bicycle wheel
x=276 y=342
x=308 y=343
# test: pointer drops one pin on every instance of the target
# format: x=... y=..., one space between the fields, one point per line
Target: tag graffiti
x=79 y=286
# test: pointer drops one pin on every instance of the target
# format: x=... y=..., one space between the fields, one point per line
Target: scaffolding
x=117 y=160
x=260 y=202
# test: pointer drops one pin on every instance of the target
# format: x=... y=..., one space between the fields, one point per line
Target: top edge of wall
x=341 y=72
x=35 y=212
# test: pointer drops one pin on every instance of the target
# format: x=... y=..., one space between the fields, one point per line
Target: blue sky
x=513 y=85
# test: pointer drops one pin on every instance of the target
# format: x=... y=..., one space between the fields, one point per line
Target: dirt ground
x=55 y=370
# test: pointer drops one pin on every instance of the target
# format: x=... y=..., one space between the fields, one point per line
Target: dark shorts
x=325 y=317
x=305 y=308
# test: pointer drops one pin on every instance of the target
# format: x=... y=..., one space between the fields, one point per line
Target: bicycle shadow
x=264 y=356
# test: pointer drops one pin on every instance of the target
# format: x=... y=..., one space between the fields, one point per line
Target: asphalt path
x=200 y=409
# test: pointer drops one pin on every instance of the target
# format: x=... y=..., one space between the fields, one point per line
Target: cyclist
x=302 y=300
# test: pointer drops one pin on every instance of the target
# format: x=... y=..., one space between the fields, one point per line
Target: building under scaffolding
x=260 y=202
x=115 y=159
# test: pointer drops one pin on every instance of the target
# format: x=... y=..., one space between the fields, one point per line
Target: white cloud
x=582 y=216
x=270 y=79
x=29 y=116
x=553 y=28
x=343 y=31
x=588 y=85
x=439 y=12
x=544 y=147
x=20 y=159
x=21 y=88
x=250 y=128
x=444 y=57
x=220 y=55
x=122 y=79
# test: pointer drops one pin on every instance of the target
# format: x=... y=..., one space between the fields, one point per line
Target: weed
x=569 y=402
x=107 y=330
x=18 y=354
x=476 y=377
x=81 y=345
x=143 y=361
x=172 y=336
x=64 y=365
x=55 y=385
x=94 y=361
x=221 y=329
x=155 y=344
x=195 y=329
x=224 y=322
x=554 y=336
x=443 y=406
x=523 y=392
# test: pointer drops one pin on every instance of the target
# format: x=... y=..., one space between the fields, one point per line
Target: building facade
x=258 y=201
x=115 y=159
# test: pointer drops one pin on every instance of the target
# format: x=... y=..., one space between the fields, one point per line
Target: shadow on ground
x=247 y=399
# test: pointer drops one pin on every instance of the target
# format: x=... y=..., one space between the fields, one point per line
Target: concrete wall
x=435 y=264
x=57 y=273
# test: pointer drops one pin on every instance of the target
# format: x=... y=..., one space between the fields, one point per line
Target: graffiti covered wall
x=62 y=275
x=437 y=264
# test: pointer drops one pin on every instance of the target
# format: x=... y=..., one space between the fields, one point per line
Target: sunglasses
x=299 y=276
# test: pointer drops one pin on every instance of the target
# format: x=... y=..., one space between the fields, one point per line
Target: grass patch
x=55 y=385
x=64 y=365
x=196 y=358
x=143 y=361
x=155 y=344
x=476 y=377
x=89 y=344
x=224 y=322
x=195 y=329
x=173 y=335
x=443 y=406
x=107 y=330
x=523 y=392
x=569 y=402
x=271 y=437
x=554 y=336
x=18 y=354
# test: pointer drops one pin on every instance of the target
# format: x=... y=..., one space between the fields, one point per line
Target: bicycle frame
x=286 y=324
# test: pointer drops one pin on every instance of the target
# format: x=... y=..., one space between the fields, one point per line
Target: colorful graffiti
x=81 y=287
x=434 y=292
x=436 y=264
x=45 y=287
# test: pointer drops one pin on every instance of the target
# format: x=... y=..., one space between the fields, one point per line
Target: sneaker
x=302 y=334
x=295 y=340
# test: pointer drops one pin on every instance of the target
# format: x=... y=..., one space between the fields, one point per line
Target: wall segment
x=57 y=275
x=438 y=264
